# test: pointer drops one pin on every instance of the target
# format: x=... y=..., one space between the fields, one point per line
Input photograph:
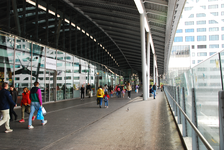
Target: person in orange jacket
x=25 y=104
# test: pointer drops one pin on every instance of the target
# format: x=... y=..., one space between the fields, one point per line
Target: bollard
x=221 y=120
x=195 y=145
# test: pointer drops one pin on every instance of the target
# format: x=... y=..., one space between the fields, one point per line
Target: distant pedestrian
x=88 y=90
x=82 y=92
x=5 y=102
x=136 y=88
x=119 y=88
x=25 y=104
x=13 y=93
x=115 y=90
x=100 y=94
x=36 y=103
x=154 y=90
x=123 y=92
x=129 y=88
x=106 y=99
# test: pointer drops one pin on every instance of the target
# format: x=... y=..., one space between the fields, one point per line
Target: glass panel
x=38 y=75
x=69 y=80
x=76 y=85
x=38 y=49
x=22 y=44
x=69 y=57
x=207 y=85
x=60 y=65
x=60 y=55
x=7 y=41
x=50 y=53
x=22 y=59
x=61 y=85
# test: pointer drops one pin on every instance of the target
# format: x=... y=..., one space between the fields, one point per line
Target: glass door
x=50 y=85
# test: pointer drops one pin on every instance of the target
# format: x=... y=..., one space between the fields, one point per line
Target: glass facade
x=60 y=74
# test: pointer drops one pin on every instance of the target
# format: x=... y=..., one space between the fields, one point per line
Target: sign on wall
x=51 y=64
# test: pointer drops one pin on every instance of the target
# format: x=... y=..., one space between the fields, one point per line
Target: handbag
x=44 y=111
x=40 y=115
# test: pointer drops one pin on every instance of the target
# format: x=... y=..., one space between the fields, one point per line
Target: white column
x=154 y=70
x=143 y=50
x=148 y=63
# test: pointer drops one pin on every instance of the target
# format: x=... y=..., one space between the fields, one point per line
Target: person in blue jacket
x=154 y=90
x=5 y=102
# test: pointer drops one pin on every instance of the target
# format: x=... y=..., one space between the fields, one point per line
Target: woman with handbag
x=25 y=104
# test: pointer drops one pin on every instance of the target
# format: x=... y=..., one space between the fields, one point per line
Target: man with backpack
x=100 y=94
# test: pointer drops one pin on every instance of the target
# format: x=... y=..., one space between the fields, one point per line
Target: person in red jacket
x=25 y=103
x=106 y=99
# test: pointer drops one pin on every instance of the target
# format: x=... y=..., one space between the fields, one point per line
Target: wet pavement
x=82 y=125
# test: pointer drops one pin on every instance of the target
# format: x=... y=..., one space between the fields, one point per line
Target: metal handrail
x=207 y=145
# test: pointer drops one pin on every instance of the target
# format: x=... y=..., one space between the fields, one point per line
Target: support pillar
x=148 y=63
x=142 y=30
x=154 y=70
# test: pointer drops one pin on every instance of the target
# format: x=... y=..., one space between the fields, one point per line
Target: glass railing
x=198 y=86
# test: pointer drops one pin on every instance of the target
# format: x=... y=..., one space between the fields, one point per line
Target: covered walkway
x=79 y=125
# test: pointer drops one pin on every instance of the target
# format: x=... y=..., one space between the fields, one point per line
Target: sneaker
x=30 y=127
x=8 y=130
x=33 y=118
x=45 y=121
x=22 y=120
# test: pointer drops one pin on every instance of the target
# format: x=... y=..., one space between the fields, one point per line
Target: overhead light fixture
x=103 y=47
x=94 y=40
x=91 y=37
x=139 y=6
x=105 y=50
x=73 y=24
x=78 y=28
x=83 y=31
x=100 y=45
x=66 y=20
x=87 y=34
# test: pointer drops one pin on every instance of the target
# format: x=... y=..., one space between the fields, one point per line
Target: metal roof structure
x=120 y=20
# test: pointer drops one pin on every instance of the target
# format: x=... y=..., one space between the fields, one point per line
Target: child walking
x=123 y=92
x=106 y=99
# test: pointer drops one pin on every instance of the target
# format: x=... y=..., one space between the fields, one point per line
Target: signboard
x=51 y=64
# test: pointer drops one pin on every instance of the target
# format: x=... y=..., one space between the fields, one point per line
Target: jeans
x=101 y=100
x=34 y=107
x=82 y=95
x=154 y=93
x=5 y=119
x=129 y=94
x=106 y=103
x=117 y=93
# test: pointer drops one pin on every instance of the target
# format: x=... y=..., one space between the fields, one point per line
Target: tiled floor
x=82 y=125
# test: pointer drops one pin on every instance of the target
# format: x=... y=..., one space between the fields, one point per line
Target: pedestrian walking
x=82 y=92
x=88 y=90
x=36 y=103
x=100 y=94
x=115 y=90
x=5 y=102
x=123 y=92
x=136 y=88
x=119 y=88
x=106 y=99
x=154 y=90
x=129 y=88
x=13 y=93
x=25 y=104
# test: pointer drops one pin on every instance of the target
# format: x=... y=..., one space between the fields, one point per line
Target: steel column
x=148 y=63
x=178 y=101
x=154 y=69
x=16 y=17
x=142 y=30
x=220 y=65
x=221 y=120
x=195 y=144
x=184 y=122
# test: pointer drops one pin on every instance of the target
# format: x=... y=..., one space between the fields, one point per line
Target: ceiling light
x=91 y=37
x=83 y=31
x=66 y=20
x=87 y=34
x=103 y=47
x=100 y=45
x=138 y=4
x=78 y=28
x=95 y=40
x=105 y=50
x=73 y=24
x=31 y=2
x=42 y=7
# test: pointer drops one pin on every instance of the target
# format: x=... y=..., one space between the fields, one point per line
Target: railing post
x=221 y=120
x=175 y=98
x=184 y=122
x=178 y=101
x=195 y=145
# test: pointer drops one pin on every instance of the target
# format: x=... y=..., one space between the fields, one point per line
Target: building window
x=204 y=7
x=222 y=28
x=192 y=46
x=202 y=54
x=193 y=54
x=223 y=37
x=201 y=38
x=214 y=46
x=213 y=37
x=201 y=22
x=222 y=13
x=189 y=23
x=193 y=61
x=201 y=29
x=222 y=6
x=212 y=6
x=212 y=22
x=191 y=16
x=211 y=53
x=189 y=30
x=189 y=38
x=188 y=8
x=199 y=61
x=178 y=39
x=215 y=13
x=201 y=46
x=222 y=45
x=214 y=29
x=179 y=31
x=201 y=15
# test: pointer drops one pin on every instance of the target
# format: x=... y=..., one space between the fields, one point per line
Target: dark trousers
x=12 y=112
x=129 y=94
x=82 y=95
x=119 y=93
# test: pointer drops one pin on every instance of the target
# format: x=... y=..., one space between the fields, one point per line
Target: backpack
x=100 y=93
x=105 y=98
x=118 y=89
